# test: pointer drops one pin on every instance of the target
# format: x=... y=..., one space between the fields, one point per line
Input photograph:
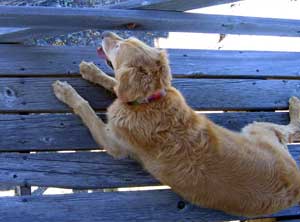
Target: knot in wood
x=131 y=25
x=8 y=92
x=47 y=140
x=181 y=205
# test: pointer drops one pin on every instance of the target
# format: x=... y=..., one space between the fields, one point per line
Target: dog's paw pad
x=62 y=90
x=87 y=68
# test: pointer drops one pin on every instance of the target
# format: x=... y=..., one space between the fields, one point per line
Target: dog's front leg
x=99 y=130
x=91 y=72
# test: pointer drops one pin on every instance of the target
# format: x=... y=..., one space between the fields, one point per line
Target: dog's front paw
x=64 y=92
x=294 y=101
x=88 y=70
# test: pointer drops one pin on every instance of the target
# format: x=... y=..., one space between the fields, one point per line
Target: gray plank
x=40 y=61
x=22 y=34
x=4 y=30
x=33 y=94
x=112 y=206
x=169 y=5
x=44 y=132
x=81 y=170
x=10 y=35
x=36 y=94
x=24 y=60
x=7 y=34
x=61 y=18
x=66 y=131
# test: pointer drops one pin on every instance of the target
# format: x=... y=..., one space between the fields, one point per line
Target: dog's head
x=140 y=70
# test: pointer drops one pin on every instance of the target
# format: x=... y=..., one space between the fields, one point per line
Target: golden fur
x=249 y=173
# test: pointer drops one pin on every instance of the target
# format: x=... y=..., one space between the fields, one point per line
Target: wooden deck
x=143 y=20
x=50 y=126
x=25 y=61
x=247 y=85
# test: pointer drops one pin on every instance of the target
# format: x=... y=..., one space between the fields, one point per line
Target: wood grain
x=36 y=94
x=22 y=60
x=66 y=131
x=20 y=34
x=112 y=206
x=118 y=19
x=168 y=5
x=81 y=170
x=4 y=31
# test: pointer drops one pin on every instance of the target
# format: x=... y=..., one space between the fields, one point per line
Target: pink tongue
x=101 y=53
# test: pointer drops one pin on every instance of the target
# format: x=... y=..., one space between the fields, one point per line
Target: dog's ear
x=132 y=83
x=163 y=72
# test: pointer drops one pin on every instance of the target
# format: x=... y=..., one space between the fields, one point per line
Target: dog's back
x=207 y=164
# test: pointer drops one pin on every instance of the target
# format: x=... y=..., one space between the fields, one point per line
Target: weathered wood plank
x=36 y=94
x=28 y=60
x=81 y=170
x=21 y=34
x=40 y=61
x=44 y=132
x=7 y=34
x=169 y=5
x=11 y=35
x=66 y=131
x=60 y=18
x=4 y=30
x=29 y=94
x=113 y=206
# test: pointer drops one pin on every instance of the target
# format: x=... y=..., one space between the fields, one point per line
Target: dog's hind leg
x=281 y=133
x=263 y=131
x=99 y=130
x=92 y=73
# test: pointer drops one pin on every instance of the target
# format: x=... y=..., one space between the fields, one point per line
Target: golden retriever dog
x=247 y=173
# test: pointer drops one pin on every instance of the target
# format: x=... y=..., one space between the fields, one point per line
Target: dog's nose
x=106 y=34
